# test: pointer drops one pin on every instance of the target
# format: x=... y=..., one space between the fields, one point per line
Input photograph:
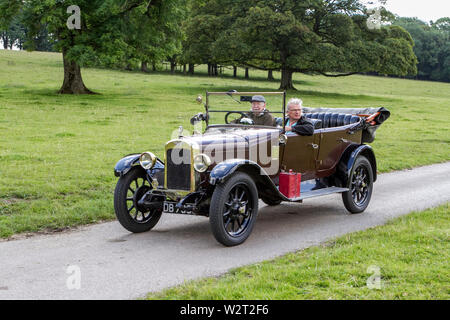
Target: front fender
x=127 y=163
x=224 y=170
x=265 y=185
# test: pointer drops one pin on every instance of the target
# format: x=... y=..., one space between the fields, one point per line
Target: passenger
x=295 y=122
x=259 y=114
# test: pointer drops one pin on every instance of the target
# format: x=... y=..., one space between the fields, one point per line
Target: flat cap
x=258 y=99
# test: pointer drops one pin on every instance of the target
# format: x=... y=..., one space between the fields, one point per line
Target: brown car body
x=222 y=172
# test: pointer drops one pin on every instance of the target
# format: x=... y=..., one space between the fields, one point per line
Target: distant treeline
x=431 y=46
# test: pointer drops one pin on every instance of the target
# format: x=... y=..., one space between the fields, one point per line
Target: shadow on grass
x=84 y=99
x=200 y=74
x=186 y=88
x=47 y=92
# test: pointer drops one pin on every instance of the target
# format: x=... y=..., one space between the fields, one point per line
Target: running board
x=318 y=193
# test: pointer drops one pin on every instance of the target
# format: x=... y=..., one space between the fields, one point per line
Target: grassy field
x=405 y=259
x=57 y=152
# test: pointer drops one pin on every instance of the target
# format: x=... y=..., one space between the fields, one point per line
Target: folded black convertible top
x=382 y=117
x=369 y=130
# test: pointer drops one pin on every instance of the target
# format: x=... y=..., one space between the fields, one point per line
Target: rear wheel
x=129 y=190
x=233 y=209
x=358 y=197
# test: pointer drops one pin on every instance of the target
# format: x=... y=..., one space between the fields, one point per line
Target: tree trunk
x=184 y=69
x=247 y=76
x=73 y=82
x=286 y=80
x=144 y=66
x=234 y=71
x=191 y=68
x=173 y=65
x=154 y=66
x=270 y=76
x=5 y=42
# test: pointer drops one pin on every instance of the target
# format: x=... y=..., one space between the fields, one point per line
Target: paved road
x=114 y=264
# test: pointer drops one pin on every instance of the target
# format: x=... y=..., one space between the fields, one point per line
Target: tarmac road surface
x=105 y=261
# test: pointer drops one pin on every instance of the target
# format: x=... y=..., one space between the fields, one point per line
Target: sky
x=425 y=10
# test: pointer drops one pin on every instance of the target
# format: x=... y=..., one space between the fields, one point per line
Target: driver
x=259 y=114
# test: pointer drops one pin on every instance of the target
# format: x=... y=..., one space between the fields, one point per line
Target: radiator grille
x=178 y=174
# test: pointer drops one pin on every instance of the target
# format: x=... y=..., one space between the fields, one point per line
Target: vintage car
x=228 y=164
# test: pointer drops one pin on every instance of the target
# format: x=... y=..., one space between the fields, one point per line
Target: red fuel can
x=289 y=184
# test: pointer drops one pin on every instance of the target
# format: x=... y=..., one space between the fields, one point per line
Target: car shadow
x=272 y=222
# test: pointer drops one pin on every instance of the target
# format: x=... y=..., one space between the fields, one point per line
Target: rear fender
x=348 y=160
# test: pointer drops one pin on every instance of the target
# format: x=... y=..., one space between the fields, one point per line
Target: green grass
x=410 y=253
x=57 y=152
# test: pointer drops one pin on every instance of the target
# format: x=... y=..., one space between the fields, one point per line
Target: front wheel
x=358 y=197
x=129 y=190
x=233 y=209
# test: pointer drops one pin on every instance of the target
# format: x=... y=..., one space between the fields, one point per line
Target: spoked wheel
x=358 y=197
x=233 y=210
x=129 y=190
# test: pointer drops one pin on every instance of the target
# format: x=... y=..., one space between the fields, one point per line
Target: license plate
x=171 y=207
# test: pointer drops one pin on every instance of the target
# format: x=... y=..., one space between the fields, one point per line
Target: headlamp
x=201 y=162
x=147 y=160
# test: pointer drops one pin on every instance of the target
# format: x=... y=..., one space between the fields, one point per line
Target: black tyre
x=129 y=189
x=233 y=209
x=358 y=197
x=271 y=202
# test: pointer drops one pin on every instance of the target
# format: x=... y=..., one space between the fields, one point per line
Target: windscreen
x=236 y=108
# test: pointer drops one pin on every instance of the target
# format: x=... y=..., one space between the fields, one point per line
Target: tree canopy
x=104 y=33
x=432 y=47
x=314 y=36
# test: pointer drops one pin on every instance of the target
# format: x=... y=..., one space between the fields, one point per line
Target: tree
x=208 y=19
x=100 y=36
x=12 y=32
x=432 y=46
x=442 y=24
x=154 y=42
x=314 y=36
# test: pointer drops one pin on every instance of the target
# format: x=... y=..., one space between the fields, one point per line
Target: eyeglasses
x=295 y=110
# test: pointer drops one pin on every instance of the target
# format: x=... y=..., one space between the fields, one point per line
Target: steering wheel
x=227 y=120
